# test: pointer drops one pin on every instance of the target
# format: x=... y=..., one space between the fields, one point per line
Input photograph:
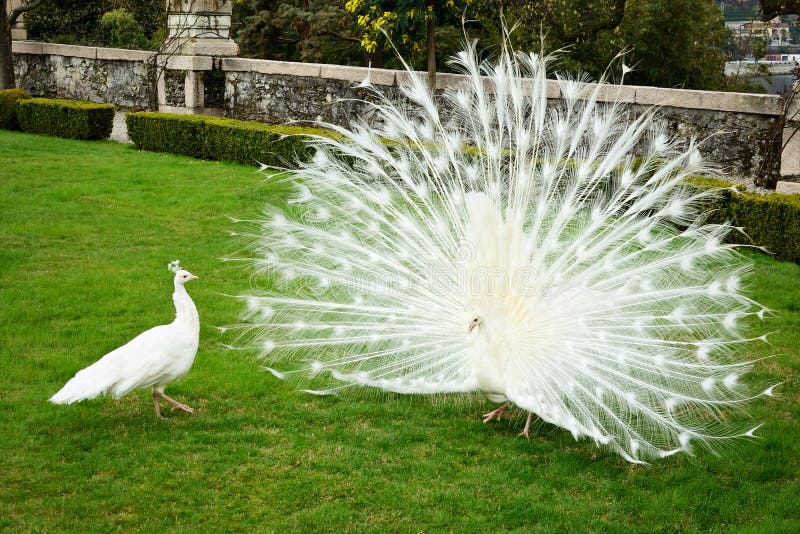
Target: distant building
x=774 y=32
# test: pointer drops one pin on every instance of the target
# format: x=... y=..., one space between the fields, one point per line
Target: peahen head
x=182 y=276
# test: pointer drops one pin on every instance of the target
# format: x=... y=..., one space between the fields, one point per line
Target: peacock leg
x=175 y=403
x=496 y=414
x=527 y=430
x=156 y=406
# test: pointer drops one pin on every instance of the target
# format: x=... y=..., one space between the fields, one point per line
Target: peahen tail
x=88 y=383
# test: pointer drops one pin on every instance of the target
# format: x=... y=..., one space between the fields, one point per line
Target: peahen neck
x=185 y=310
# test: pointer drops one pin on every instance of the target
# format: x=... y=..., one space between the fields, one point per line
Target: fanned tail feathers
x=606 y=304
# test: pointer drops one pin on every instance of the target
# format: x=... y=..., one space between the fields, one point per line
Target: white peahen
x=550 y=256
x=154 y=358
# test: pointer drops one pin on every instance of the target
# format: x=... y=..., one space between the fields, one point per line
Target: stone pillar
x=161 y=90
x=193 y=67
x=197 y=28
x=18 y=32
x=200 y=28
x=193 y=90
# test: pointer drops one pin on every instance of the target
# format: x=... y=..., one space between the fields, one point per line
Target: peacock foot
x=497 y=413
x=526 y=431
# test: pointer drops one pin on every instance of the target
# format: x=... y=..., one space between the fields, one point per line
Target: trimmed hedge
x=167 y=132
x=74 y=119
x=254 y=142
x=770 y=220
x=217 y=138
x=8 y=107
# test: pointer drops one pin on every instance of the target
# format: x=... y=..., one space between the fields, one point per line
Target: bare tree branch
x=339 y=36
x=14 y=14
x=614 y=19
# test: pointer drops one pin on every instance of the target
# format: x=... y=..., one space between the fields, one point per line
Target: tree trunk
x=6 y=59
x=431 y=49
x=375 y=59
x=7 y=20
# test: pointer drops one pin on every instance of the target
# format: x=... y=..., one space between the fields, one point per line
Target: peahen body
x=551 y=257
x=155 y=358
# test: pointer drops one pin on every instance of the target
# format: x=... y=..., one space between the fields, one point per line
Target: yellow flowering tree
x=408 y=23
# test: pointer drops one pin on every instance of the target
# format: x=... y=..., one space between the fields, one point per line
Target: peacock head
x=474 y=323
x=181 y=275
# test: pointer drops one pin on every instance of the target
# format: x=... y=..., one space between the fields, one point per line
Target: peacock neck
x=185 y=310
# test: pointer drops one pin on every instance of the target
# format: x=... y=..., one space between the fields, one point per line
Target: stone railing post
x=198 y=28
x=790 y=155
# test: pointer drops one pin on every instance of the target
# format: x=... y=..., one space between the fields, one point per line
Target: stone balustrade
x=733 y=126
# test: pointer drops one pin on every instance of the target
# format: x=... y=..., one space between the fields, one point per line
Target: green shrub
x=253 y=142
x=8 y=107
x=221 y=139
x=66 y=118
x=122 y=29
x=770 y=220
x=167 y=132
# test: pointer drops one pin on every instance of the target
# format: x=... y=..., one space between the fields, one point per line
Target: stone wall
x=734 y=126
x=277 y=91
x=733 y=141
x=175 y=88
x=108 y=75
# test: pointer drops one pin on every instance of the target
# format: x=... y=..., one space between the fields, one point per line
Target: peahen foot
x=177 y=405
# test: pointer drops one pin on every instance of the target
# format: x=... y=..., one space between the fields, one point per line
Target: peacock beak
x=472 y=325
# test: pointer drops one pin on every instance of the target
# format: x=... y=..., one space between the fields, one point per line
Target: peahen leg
x=175 y=403
x=497 y=413
x=156 y=406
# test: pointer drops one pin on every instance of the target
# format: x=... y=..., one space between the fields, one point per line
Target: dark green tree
x=669 y=43
x=79 y=22
x=772 y=8
x=675 y=43
x=296 y=30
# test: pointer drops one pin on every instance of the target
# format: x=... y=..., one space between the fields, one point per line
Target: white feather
x=619 y=329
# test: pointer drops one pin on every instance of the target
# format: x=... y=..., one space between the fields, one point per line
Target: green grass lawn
x=86 y=231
